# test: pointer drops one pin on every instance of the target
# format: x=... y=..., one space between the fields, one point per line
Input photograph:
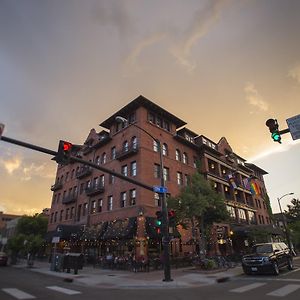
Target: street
x=21 y=283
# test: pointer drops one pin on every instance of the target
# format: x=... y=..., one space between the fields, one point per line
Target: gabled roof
x=138 y=102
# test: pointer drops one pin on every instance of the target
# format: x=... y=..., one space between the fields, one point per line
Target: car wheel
x=290 y=265
x=275 y=268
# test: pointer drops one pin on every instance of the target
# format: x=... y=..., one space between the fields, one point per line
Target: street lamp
x=284 y=222
x=162 y=196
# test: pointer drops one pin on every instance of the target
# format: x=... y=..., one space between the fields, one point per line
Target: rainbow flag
x=254 y=187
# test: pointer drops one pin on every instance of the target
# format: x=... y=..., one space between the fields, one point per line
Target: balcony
x=83 y=172
x=126 y=152
x=69 y=199
x=94 y=190
x=57 y=186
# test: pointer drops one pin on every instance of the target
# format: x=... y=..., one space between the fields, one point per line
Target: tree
x=29 y=237
x=293 y=213
x=198 y=206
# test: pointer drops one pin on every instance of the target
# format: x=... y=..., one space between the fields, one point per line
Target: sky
x=223 y=66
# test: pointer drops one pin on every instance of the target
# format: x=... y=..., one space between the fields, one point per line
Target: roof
x=138 y=102
x=255 y=167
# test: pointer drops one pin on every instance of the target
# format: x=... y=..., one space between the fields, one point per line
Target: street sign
x=160 y=189
x=55 y=239
x=1 y=129
x=294 y=126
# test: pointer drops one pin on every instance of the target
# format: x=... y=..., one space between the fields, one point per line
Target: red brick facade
x=82 y=196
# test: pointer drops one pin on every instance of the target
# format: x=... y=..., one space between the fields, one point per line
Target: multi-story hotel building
x=110 y=214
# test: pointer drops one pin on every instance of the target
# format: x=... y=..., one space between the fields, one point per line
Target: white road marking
x=18 y=294
x=248 y=287
x=285 y=290
x=63 y=290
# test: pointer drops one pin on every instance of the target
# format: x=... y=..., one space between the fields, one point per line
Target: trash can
x=73 y=261
x=57 y=262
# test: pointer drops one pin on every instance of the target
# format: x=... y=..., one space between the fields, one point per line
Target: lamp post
x=284 y=221
x=162 y=196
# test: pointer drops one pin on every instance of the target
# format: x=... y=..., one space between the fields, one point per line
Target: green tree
x=198 y=206
x=293 y=212
x=29 y=236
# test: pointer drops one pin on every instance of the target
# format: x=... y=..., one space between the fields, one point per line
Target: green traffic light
x=158 y=222
x=276 y=137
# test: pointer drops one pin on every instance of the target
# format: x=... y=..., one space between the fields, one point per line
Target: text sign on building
x=294 y=126
x=1 y=129
x=160 y=189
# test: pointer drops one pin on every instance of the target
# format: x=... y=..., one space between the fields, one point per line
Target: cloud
x=132 y=59
x=11 y=164
x=274 y=150
x=254 y=98
x=295 y=73
x=37 y=170
x=201 y=23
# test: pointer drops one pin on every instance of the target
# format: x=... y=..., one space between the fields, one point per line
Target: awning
x=120 y=229
x=68 y=232
x=93 y=233
x=246 y=229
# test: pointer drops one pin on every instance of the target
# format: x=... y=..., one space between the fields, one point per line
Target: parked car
x=267 y=258
x=3 y=259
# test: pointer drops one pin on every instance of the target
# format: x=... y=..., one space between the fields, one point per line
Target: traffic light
x=63 y=153
x=1 y=129
x=158 y=221
x=273 y=127
x=172 y=218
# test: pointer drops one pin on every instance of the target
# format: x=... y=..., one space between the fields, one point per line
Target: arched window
x=184 y=158
x=155 y=146
x=97 y=161
x=165 y=149
x=103 y=158
x=125 y=146
x=178 y=155
x=134 y=142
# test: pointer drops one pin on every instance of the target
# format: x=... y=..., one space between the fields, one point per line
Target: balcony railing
x=94 y=190
x=69 y=199
x=57 y=186
x=85 y=171
x=126 y=152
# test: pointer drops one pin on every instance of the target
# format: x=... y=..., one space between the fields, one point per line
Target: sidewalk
x=119 y=279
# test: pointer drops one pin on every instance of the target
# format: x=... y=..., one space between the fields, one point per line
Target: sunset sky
x=223 y=66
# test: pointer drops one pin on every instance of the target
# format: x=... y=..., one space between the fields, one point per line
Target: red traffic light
x=67 y=146
x=171 y=213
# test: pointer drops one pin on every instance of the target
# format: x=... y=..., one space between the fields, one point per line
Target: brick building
x=97 y=211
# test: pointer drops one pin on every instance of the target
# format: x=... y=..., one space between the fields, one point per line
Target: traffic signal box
x=172 y=218
x=274 y=129
x=158 y=221
x=63 y=153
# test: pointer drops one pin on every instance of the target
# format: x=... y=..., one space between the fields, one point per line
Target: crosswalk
x=278 y=292
x=23 y=295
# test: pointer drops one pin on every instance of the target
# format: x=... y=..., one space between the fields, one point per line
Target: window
x=157 y=199
x=242 y=215
x=111 y=179
x=131 y=118
x=72 y=213
x=125 y=146
x=110 y=203
x=159 y=121
x=165 y=149
x=67 y=214
x=88 y=184
x=123 y=199
x=156 y=171
x=79 y=212
x=179 y=178
x=67 y=176
x=61 y=215
x=134 y=142
x=72 y=174
x=51 y=219
x=186 y=179
x=151 y=118
x=177 y=155
x=93 y=207
x=184 y=158
x=231 y=211
x=101 y=180
x=113 y=153
x=155 y=146
x=166 y=174
x=195 y=162
x=55 y=217
x=81 y=188
x=124 y=170
x=133 y=169
x=132 y=197
x=103 y=158
x=252 y=218
x=85 y=209
x=167 y=125
x=99 y=205
x=98 y=160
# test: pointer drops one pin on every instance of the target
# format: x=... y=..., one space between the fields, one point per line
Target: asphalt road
x=16 y=283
